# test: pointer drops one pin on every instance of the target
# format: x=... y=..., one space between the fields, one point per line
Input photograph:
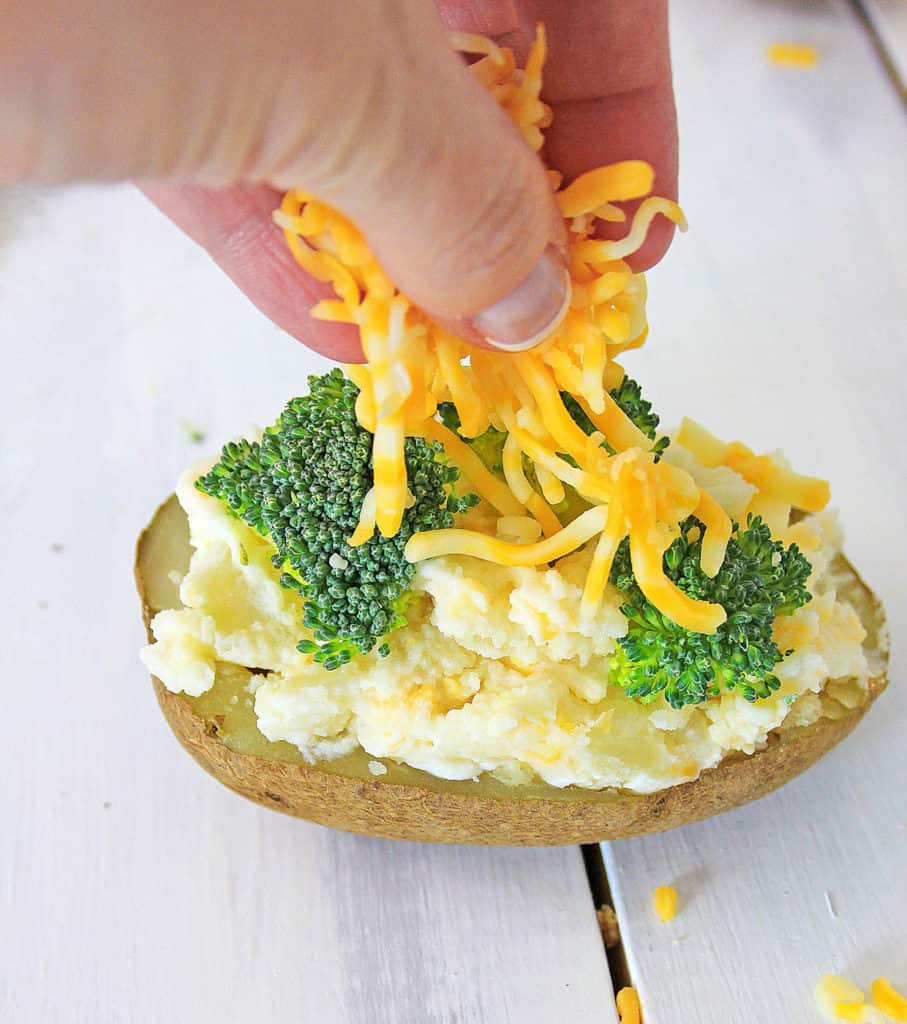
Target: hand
x=215 y=108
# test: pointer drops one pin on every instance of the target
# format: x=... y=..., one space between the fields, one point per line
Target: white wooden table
x=133 y=888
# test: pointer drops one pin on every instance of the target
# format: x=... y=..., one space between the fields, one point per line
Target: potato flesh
x=163 y=557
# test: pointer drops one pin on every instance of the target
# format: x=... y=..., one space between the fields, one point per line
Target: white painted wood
x=783 y=313
x=132 y=887
x=889 y=18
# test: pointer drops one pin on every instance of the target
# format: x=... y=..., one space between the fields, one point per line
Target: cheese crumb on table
x=793 y=55
x=850 y=1011
x=665 y=900
x=628 y=1008
x=889 y=1000
x=832 y=991
x=840 y=1000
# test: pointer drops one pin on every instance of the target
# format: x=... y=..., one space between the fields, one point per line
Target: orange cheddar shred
x=628 y=1008
x=887 y=999
x=413 y=365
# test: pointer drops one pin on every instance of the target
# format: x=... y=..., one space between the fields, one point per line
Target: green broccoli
x=489 y=446
x=628 y=395
x=302 y=487
x=759 y=580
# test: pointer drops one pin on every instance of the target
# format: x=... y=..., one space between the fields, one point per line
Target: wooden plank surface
x=783 y=313
x=133 y=887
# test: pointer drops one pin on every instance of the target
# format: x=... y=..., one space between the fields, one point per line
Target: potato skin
x=460 y=812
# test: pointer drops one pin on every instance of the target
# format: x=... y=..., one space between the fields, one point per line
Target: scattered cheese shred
x=887 y=999
x=767 y=476
x=792 y=55
x=628 y=1007
x=833 y=991
x=850 y=1011
x=480 y=545
x=840 y=1000
x=412 y=365
x=664 y=900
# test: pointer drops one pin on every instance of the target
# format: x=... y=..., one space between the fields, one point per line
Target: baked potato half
x=218 y=729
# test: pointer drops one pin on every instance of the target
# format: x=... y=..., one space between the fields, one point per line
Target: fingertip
x=339 y=342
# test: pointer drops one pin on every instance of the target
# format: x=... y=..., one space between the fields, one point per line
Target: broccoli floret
x=302 y=487
x=489 y=446
x=628 y=395
x=759 y=580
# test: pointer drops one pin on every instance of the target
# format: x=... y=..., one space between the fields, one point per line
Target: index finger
x=608 y=81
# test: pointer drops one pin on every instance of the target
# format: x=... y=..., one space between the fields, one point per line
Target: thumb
x=452 y=200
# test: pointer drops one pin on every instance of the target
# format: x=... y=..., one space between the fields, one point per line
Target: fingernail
x=532 y=310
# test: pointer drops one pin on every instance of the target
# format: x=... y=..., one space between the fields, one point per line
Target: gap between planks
x=600 y=890
x=866 y=17
x=593 y=861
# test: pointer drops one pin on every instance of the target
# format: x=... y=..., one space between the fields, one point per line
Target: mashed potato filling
x=496 y=671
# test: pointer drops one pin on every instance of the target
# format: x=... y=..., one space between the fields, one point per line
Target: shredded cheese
x=887 y=999
x=479 y=545
x=665 y=901
x=833 y=991
x=850 y=1011
x=770 y=479
x=838 y=999
x=413 y=364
